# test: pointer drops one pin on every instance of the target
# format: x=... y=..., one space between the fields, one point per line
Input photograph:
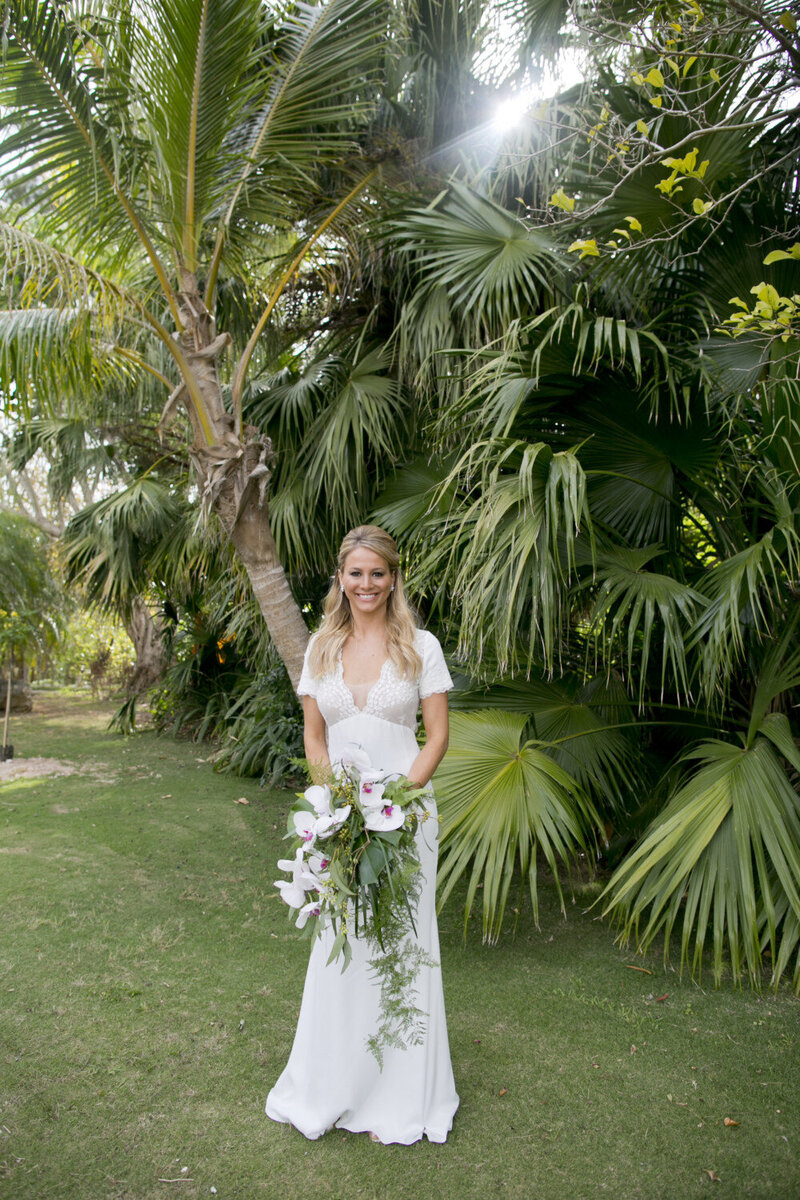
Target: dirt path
x=50 y=707
x=33 y=768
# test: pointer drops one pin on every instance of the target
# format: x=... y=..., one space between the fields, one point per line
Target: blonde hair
x=337 y=620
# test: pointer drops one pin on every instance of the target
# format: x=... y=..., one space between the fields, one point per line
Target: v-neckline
x=370 y=687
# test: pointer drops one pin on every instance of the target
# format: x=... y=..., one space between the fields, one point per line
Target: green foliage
x=586 y=726
x=503 y=802
x=92 y=650
x=113 y=547
x=225 y=685
x=31 y=601
x=722 y=861
x=263 y=733
x=666 y=557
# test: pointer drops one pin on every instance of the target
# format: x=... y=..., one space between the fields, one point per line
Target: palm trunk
x=252 y=537
x=233 y=474
x=146 y=634
x=235 y=477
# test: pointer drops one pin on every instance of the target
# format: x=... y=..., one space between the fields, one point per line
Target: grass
x=150 y=985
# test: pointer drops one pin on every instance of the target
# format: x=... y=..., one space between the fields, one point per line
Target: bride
x=366 y=672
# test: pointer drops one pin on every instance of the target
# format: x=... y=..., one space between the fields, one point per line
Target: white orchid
x=370 y=792
x=305 y=825
x=309 y=827
x=293 y=891
x=312 y=909
x=384 y=818
x=318 y=867
x=328 y=825
x=356 y=757
x=319 y=796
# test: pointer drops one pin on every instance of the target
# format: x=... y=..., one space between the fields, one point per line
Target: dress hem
x=438 y=1136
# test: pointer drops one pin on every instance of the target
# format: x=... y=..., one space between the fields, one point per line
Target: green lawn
x=150 y=983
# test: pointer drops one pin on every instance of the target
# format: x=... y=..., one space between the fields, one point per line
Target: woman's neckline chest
x=363 y=665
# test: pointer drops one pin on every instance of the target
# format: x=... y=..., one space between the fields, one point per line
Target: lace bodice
x=391 y=698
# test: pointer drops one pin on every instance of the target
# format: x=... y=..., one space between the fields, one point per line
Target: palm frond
x=318 y=80
x=478 y=268
x=509 y=545
x=46 y=353
x=355 y=436
x=414 y=493
x=632 y=604
x=576 y=723
x=723 y=858
x=106 y=546
x=195 y=64
x=502 y=802
x=71 y=157
x=598 y=341
x=743 y=592
x=36 y=272
x=779 y=676
x=25 y=580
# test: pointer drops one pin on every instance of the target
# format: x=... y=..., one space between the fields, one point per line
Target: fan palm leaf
x=722 y=858
x=579 y=724
x=478 y=266
x=632 y=604
x=503 y=801
x=106 y=546
x=510 y=545
x=412 y=496
x=742 y=593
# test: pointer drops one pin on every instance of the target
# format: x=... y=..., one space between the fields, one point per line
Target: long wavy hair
x=337 y=620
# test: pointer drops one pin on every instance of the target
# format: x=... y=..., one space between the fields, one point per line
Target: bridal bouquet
x=355 y=868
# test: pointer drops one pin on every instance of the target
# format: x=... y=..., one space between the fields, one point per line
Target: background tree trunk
x=146 y=632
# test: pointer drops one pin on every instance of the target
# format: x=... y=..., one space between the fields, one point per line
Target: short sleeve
x=435 y=676
x=307 y=685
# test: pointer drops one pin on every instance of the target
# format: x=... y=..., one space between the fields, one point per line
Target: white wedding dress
x=331 y=1078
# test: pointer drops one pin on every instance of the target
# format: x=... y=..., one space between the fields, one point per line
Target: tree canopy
x=558 y=360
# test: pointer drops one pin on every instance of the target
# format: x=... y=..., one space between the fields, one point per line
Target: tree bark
x=145 y=631
x=233 y=474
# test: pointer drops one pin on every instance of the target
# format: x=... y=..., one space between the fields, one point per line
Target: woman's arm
x=316 y=744
x=437 y=731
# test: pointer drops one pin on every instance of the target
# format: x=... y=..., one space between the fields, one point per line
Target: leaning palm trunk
x=233 y=471
x=181 y=183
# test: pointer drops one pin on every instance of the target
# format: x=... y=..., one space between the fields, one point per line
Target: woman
x=365 y=673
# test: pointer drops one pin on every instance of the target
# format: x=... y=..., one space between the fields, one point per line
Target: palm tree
x=612 y=500
x=156 y=164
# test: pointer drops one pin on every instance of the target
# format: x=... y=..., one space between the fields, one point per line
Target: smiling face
x=367 y=581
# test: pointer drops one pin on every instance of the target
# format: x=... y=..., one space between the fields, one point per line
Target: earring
x=341 y=588
x=391 y=589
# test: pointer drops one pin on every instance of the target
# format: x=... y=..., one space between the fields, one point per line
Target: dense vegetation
x=559 y=360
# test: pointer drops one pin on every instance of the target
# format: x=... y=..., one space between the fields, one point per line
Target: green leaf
x=502 y=802
x=781 y=255
x=634 y=604
x=724 y=858
x=337 y=948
